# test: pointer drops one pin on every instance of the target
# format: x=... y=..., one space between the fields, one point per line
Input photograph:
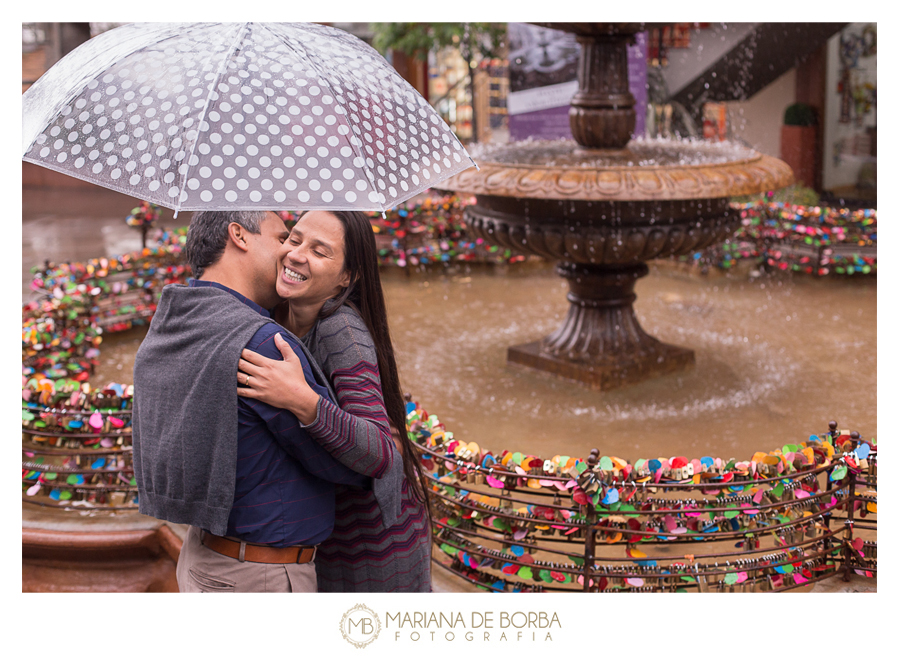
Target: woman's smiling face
x=311 y=263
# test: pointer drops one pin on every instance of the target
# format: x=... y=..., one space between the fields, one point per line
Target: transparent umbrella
x=236 y=116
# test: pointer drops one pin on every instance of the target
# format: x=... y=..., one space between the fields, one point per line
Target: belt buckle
x=314 y=550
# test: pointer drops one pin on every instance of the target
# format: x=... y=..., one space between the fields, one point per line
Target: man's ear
x=237 y=236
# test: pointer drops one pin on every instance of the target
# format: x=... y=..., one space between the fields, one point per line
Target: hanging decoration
x=778 y=520
x=817 y=240
x=144 y=217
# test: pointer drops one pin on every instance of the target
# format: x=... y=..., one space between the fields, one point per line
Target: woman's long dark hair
x=366 y=296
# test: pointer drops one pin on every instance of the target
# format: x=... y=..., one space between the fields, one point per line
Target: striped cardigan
x=381 y=540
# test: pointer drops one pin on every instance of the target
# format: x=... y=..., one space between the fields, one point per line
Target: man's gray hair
x=208 y=235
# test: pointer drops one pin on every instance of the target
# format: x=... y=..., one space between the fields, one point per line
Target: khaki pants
x=201 y=569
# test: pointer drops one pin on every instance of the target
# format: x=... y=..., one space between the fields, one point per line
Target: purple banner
x=552 y=123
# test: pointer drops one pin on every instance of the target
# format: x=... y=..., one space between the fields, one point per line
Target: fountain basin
x=601 y=214
x=646 y=170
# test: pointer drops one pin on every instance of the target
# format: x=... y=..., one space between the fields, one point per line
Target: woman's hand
x=281 y=384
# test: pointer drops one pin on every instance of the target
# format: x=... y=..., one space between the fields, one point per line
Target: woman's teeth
x=294 y=276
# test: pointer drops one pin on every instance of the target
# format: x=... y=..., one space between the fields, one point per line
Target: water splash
x=640 y=152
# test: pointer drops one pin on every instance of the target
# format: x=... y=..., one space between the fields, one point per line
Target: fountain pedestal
x=601 y=343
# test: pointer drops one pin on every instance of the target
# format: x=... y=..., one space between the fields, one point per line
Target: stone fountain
x=601 y=207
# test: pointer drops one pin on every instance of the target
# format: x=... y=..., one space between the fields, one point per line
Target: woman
x=328 y=275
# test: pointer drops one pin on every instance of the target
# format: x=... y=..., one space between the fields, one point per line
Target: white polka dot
x=206 y=196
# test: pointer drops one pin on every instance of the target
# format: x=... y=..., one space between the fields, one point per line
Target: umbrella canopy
x=238 y=116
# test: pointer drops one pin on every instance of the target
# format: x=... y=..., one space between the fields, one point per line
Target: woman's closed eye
x=318 y=250
x=296 y=242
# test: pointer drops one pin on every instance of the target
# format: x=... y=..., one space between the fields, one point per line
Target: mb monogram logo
x=360 y=626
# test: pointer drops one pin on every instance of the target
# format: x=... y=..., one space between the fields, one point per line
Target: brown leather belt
x=245 y=552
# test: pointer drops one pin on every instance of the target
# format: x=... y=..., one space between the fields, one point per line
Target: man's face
x=264 y=252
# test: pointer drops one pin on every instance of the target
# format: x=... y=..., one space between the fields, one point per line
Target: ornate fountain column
x=602 y=206
x=601 y=113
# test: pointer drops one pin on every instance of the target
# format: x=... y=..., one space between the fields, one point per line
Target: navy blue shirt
x=284 y=480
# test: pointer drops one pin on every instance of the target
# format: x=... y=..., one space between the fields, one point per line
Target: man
x=257 y=491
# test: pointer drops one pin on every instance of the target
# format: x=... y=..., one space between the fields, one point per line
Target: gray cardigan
x=381 y=540
x=333 y=343
x=185 y=414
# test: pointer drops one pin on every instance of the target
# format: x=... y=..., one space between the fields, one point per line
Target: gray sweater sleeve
x=356 y=431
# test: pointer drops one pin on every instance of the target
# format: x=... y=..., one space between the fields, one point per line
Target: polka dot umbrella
x=237 y=116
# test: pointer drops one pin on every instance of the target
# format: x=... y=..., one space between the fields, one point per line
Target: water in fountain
x=640 y=152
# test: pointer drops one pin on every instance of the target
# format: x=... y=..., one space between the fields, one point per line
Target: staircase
x=727 y=62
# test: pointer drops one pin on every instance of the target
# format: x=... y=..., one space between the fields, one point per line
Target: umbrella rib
x=215 y=83
x=359 y=152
